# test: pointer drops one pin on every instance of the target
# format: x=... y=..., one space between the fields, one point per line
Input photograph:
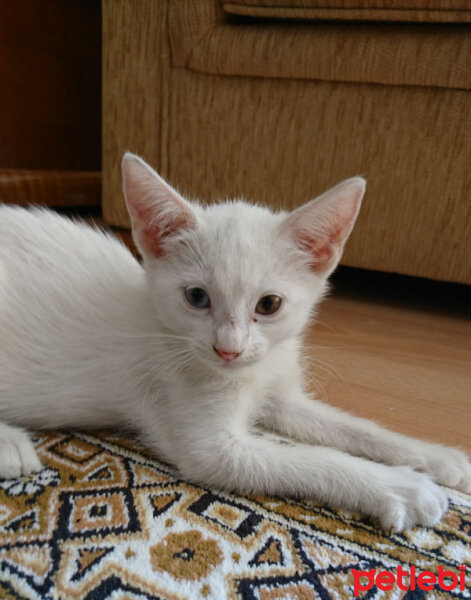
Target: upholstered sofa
x=276 y=100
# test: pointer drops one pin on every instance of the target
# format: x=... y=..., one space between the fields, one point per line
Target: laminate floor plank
x=406 y=367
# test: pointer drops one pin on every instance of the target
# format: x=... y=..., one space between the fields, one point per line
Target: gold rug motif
x=107 y=519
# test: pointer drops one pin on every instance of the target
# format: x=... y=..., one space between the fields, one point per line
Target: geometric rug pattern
x=108 y=519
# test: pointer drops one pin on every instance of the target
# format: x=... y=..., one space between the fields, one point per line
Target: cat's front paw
x=17 y=455
x=448 y=466
x=411 y=499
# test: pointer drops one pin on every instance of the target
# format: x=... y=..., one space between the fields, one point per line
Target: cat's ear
x=157 y=210
x=322 y=226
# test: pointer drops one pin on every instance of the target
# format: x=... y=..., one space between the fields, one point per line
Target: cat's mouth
x=230 y=366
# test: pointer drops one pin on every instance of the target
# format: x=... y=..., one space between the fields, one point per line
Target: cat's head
x=234 y=280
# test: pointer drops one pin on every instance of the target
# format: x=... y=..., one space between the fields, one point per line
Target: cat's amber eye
x=197 y=297
x=267 y=305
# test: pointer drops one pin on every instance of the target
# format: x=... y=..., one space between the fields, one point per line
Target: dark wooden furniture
x=50 y=103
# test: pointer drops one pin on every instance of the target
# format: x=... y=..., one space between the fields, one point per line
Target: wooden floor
x=397 y=350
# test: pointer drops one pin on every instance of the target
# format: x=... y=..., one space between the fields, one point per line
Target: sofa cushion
x=444 y=11
x=405 y=54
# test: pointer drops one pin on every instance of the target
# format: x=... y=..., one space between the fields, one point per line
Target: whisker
x=329 y=370
x=150 y=334
x=317 y=387
x=310 y=358
x=179 y=362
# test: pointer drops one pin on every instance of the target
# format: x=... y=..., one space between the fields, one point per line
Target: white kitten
x=199 y=349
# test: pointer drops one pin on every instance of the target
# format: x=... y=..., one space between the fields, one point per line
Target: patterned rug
x=106 y=519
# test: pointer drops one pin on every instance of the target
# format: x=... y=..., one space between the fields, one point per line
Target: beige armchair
x=276 y=100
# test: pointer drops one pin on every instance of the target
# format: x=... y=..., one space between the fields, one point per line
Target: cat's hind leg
x=17 y=454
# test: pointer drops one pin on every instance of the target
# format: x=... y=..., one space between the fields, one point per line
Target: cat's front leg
x=240 y=461
x=296 y=415
x=17 y=454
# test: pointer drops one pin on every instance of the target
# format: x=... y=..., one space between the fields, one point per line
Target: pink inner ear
x=150 y=239
x=322 y=248
x=152 y=232
x=157 y=210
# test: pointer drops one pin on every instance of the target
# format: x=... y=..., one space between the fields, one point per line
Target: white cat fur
x=90 y=338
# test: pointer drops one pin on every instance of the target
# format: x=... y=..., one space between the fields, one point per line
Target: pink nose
x=227 y=356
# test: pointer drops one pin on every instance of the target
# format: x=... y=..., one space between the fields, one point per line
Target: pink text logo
x=405 y=580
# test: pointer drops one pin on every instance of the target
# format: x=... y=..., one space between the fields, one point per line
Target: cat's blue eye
x=197 y=297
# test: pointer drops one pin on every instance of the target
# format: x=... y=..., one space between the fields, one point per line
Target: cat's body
x=89 y=338
x=61 y=366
